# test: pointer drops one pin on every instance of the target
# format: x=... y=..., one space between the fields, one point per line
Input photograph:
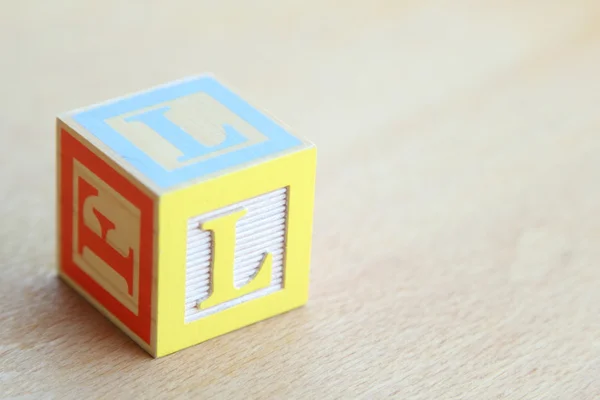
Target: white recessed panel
x=261 y=230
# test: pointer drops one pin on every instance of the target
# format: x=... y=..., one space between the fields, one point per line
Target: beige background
x=457 y=223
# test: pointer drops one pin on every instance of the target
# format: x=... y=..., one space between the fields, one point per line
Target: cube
x=184 y=212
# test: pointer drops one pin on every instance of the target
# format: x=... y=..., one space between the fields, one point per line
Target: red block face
x=106 y=233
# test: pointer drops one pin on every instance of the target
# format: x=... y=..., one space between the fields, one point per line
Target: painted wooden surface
x=457 y=214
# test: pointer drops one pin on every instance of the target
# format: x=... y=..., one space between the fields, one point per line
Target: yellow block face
x=184 y=212
x=216 y=209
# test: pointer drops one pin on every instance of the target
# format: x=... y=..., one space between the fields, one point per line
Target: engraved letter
x=223 y=253
x=122 y=264
x=185 y=143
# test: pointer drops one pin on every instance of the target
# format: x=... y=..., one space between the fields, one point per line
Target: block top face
x=183 y=132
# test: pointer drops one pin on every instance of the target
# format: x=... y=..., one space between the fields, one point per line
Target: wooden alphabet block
x=184 y=213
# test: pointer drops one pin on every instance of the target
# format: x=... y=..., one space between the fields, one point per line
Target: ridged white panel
x=262 y=230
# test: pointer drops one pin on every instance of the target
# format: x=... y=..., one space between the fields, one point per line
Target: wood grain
x=458 y=203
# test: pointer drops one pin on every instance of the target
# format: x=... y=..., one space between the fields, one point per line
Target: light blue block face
x=183 y=131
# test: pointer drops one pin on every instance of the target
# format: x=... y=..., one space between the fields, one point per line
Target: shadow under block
x=184 y=213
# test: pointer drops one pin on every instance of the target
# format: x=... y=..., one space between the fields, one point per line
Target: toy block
x=184 y=212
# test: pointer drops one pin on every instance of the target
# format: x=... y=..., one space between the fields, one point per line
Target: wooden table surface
x=457 y=223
